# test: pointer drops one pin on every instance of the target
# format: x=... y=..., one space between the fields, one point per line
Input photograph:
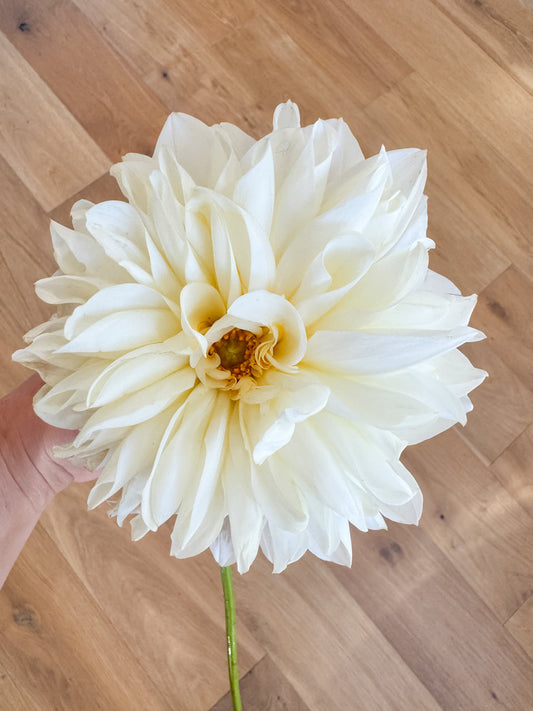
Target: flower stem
x=231 y=637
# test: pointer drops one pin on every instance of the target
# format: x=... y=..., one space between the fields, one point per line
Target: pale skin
x=30 y=477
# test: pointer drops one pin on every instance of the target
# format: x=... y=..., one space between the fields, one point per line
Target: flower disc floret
x=236 y=352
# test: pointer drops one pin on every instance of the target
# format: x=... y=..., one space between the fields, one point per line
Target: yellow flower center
x=236 y=352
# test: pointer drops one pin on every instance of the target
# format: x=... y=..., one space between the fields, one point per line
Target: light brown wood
x=115 y=108
x=265 y=688
x=520 y=625
x=513 y=469
x=434 y=617
x=41 y=140
x=483 y=530
x=169 y=612
x=437 y=623
x=41 y=609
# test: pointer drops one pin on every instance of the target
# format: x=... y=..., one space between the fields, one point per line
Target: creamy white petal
x=108 y=301
x=119 y=230
x=133 y=372
x=133 y=457
x=201 y=306
x=79 y=254
x=289 y=408
x=133 y=178
x=255 y=191
x=286 y=115
x=122 y=331
x=282 y=547
x=140 y=405
x=355 y=352
x=176 y=467
x=272 y=310
x=63 y=289
x=196 y=147
x=222 y=546
x=245 y=517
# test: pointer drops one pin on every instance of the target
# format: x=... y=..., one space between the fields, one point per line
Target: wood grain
x=286 y=614
x=504 y=30
x=489 y=538
x=152 y=600
x=503 y=392
x=504 y=312
x=25 y=241
x=514 y=469
x=40 y=139
x=265 y=688
x=437 y=617
x=520 y=625
x=110 y=102
x=40 y=615
x=437 y=623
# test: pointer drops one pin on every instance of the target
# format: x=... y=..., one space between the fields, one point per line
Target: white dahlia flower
x=252 y=339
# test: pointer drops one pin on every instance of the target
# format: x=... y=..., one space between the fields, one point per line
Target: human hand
x=30 y=477
x=26 y=448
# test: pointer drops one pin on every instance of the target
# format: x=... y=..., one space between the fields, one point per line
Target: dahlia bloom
x=251 y=340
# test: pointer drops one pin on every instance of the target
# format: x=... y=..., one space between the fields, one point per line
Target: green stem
x=231 y=637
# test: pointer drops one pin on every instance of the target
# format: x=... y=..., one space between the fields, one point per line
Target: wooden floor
x=437 y=617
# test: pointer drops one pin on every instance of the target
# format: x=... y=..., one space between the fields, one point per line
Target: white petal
x=255 y=191
x=132 y=176
x=64 y=289
x=118 y=228
x=281 y=547
x=286 y=115
x=245 y=517
x=134 y=456
x=109 y=301
x=362 y=353
x=175 y=469
x=294 y=407
x=201 y=306
x=139 y=406
x=123 y=331
x=222 y=546
x=132 y=372
x=195 y=146
x=273 y=310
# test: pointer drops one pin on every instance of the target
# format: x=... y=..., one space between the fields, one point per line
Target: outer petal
x=355 y=352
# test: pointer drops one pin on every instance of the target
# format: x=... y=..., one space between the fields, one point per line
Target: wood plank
x=504 y=30
x=152 y=34
x=265 y=688
x=55 y=637
x=504 y=313
x=436 y=622
x=25 y=256
x=327 y=647
x=104 y=188
x=116 y=109
x=475 y=522
x=470 y=183
x=520 y=625
x=48 y=150
x=10 y=696
x=170 y=609
x=492 y=102
x=503 y=406
x=262 y=45
x=514 y=470
x=196 y=83
x=343 y=45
